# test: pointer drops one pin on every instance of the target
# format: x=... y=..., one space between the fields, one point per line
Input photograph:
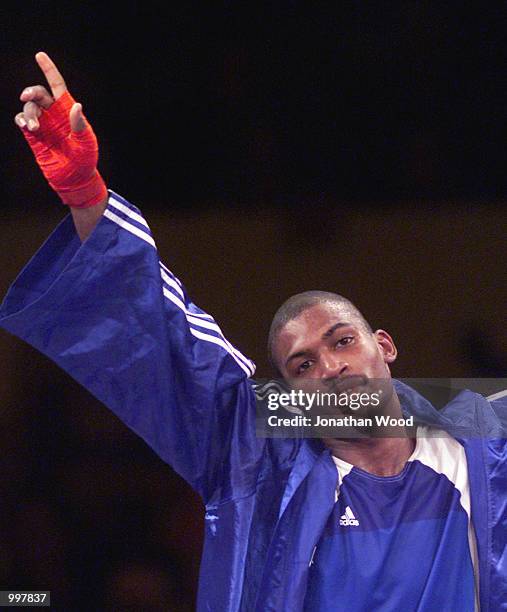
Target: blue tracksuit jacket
x=120 y=323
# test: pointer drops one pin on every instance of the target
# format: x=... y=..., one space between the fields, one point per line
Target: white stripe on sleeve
x=194 y=318
x=220 y=342
x=129 y=227
x=127 y=211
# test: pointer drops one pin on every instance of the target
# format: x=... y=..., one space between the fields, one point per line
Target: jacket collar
x=468 y=415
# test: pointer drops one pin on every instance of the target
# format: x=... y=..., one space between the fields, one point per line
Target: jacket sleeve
x=120 y=323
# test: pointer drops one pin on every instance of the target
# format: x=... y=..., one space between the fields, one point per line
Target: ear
x=386 y=345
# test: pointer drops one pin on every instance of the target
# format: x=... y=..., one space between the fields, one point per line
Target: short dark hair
x=300 y=302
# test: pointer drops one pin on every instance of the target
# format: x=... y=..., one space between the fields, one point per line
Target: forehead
x=311 y=325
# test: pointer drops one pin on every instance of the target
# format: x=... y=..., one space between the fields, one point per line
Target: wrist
x=89 y=193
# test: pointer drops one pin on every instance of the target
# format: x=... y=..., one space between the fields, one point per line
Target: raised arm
x=64 y=146
x=120 y=323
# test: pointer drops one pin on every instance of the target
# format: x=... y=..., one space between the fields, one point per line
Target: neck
x=382 y=456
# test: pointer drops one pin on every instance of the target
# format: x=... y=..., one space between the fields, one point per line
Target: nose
x=333 y=366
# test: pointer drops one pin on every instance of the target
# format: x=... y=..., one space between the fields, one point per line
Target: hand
x=63 y=142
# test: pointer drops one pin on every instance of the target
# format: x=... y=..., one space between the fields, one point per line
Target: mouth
x=348 y=384
x=348 y=387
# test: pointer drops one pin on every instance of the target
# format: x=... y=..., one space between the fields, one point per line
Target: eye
x=344 y=341
x=302 y=367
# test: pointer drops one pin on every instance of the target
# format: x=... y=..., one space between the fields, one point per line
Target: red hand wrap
x=67 y=159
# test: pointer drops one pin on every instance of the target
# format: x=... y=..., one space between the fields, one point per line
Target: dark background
x=229 y=103
x=274 y=147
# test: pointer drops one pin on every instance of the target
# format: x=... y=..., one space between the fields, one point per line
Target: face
x=328 y=343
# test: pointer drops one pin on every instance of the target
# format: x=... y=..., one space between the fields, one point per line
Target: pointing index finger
x=53 y=76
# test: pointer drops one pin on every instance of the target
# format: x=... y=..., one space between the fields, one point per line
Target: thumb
x=77 y=120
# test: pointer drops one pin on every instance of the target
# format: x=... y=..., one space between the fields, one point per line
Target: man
x=297 y=523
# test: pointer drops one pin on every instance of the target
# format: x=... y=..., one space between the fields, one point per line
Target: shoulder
x=498 y=402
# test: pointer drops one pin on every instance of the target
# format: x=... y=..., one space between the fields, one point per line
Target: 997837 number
x=25 y=598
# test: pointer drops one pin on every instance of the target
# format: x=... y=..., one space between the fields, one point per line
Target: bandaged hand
x=63 y=142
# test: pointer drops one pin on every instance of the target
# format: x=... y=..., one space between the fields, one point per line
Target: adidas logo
x=348 y=519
